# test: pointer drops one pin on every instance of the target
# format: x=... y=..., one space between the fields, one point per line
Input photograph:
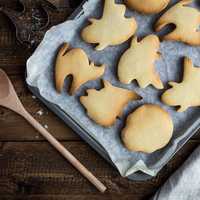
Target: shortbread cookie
x=75 y=62
x=105 y=105
x=147 y=6
x=147 y=129
x=138 y=63
x=187 y=93
x=112 y=29
x=187 y=21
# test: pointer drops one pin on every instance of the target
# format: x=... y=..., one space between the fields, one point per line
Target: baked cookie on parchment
x=75 y=62
x=187 y=93
x=112 y=28
x=105 y=105
x=138 y=62
x=147 y=129
x=187 y=21
x=147 y=6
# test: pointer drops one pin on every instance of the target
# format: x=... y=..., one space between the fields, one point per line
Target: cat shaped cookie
x=112 y=28
x=105 y=105
x=187 y=21
x=147 y=6
x=147 y=129
x=138 y=62
x=187 y=93
x=75 y=62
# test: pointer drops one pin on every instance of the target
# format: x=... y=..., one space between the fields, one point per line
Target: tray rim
x=78 y=129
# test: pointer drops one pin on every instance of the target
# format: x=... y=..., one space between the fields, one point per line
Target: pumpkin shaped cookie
x=147 y=129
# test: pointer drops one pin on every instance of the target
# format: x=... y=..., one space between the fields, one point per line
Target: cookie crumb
x=46 y=126
x=40 y=112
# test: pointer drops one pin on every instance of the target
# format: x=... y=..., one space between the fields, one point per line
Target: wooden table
x=31 y=169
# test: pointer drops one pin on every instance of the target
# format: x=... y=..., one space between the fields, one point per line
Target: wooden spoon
x=10 y=100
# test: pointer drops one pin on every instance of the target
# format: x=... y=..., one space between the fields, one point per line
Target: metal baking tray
x=139 y=176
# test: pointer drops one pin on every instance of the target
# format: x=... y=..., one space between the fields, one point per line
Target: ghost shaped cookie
x=75 y=62
x=112 y=28
x=138 y=63
x=187 y=93
x=147 y=6
x=105 y=105
x=187 y=21
x=147 y=129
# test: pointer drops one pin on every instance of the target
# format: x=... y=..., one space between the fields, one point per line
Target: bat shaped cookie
x=138 y=62
x=105 y=105
x=147 y=6
x=75 y=62
x=187 y=93
x=112 y=28
x=187 y=21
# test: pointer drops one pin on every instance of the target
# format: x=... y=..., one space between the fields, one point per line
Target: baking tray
x=139 y=176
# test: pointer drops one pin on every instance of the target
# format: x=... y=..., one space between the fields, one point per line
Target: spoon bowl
x=8 y=96
x=4 y=85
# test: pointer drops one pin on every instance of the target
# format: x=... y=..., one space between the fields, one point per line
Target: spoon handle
x=85 y=172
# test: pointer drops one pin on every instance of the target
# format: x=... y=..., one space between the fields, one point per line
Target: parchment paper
x=40 y=73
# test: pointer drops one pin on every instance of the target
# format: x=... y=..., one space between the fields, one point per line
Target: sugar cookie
x=112 y=29
x=187 y=21
x=138 y=62
x=187 y=93
x=75 y=62
x=147 y=6
x=147 y=129
x=105 y=105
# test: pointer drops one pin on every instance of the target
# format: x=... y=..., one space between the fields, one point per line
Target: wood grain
x=36 y=169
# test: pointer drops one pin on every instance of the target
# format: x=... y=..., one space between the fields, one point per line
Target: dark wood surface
x=31 y=169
